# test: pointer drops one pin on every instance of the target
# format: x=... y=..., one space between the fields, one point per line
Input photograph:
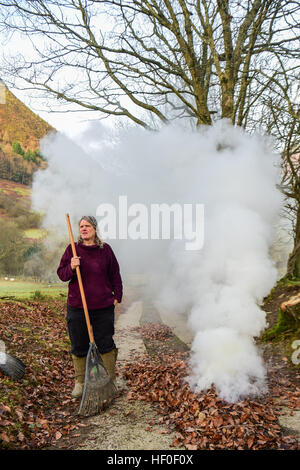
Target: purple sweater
x=100 y=274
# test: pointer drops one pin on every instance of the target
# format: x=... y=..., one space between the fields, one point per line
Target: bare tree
x=291 y=186
x=152 y=61
x=281 y=111
x=155 y=60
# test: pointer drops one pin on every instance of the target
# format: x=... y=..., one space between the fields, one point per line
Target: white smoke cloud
x=221 y=286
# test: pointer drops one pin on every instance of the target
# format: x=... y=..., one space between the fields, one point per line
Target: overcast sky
x=67 y=122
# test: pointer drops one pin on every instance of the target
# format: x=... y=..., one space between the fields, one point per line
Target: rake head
x=98 y=386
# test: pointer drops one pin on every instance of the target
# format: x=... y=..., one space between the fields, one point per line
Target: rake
x=98 y=385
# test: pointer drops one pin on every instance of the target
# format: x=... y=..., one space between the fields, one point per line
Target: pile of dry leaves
x=205 y=421
x=36 y=410
x=155 y=331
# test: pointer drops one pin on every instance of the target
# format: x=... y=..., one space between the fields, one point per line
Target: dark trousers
x=102 y=321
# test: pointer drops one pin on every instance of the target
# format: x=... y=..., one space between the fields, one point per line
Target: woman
x=103 y=290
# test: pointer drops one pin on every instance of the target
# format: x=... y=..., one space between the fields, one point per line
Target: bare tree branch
x=153 y=61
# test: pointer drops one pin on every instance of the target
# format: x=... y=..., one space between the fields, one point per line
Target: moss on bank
x=286 y=326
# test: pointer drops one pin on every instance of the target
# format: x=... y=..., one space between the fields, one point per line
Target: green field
x=23 y=191
x=28 y=289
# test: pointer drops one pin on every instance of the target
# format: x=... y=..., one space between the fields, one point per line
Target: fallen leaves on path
x=38 y=409
x=204 y=421
x=155 y=331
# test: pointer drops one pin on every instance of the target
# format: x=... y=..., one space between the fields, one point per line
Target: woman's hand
x=75 y=261
x=115 y=302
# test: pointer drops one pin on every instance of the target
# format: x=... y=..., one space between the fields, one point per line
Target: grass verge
x=20 y=289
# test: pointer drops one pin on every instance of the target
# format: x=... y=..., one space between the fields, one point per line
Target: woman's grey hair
x=91 y=220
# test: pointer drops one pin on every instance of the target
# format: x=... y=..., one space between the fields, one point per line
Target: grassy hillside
x=21 y=234
x=15 y=207
x=18 y=122
x=24 y=253
x=20 y=132
x=21 y=250
x=15 y=191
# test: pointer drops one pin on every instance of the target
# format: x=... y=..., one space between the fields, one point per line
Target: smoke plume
x=220 y=286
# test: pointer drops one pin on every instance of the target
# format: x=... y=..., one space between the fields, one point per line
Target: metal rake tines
x=98 y=386
x=95 y=396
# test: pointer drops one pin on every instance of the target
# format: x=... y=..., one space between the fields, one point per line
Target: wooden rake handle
x=86 y=312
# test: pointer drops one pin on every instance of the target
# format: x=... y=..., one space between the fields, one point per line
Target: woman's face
x=87 y=231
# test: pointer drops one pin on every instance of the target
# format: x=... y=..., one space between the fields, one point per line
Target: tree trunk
x=293 y=266
x=227 y=98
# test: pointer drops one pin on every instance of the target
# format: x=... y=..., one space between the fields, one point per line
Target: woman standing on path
x=103 y=290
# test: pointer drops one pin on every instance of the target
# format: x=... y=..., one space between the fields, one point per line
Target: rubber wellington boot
x=79 y=367
x=109 y=360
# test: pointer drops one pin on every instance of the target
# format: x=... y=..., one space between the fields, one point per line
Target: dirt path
x=135 y=425
x=127 y=425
